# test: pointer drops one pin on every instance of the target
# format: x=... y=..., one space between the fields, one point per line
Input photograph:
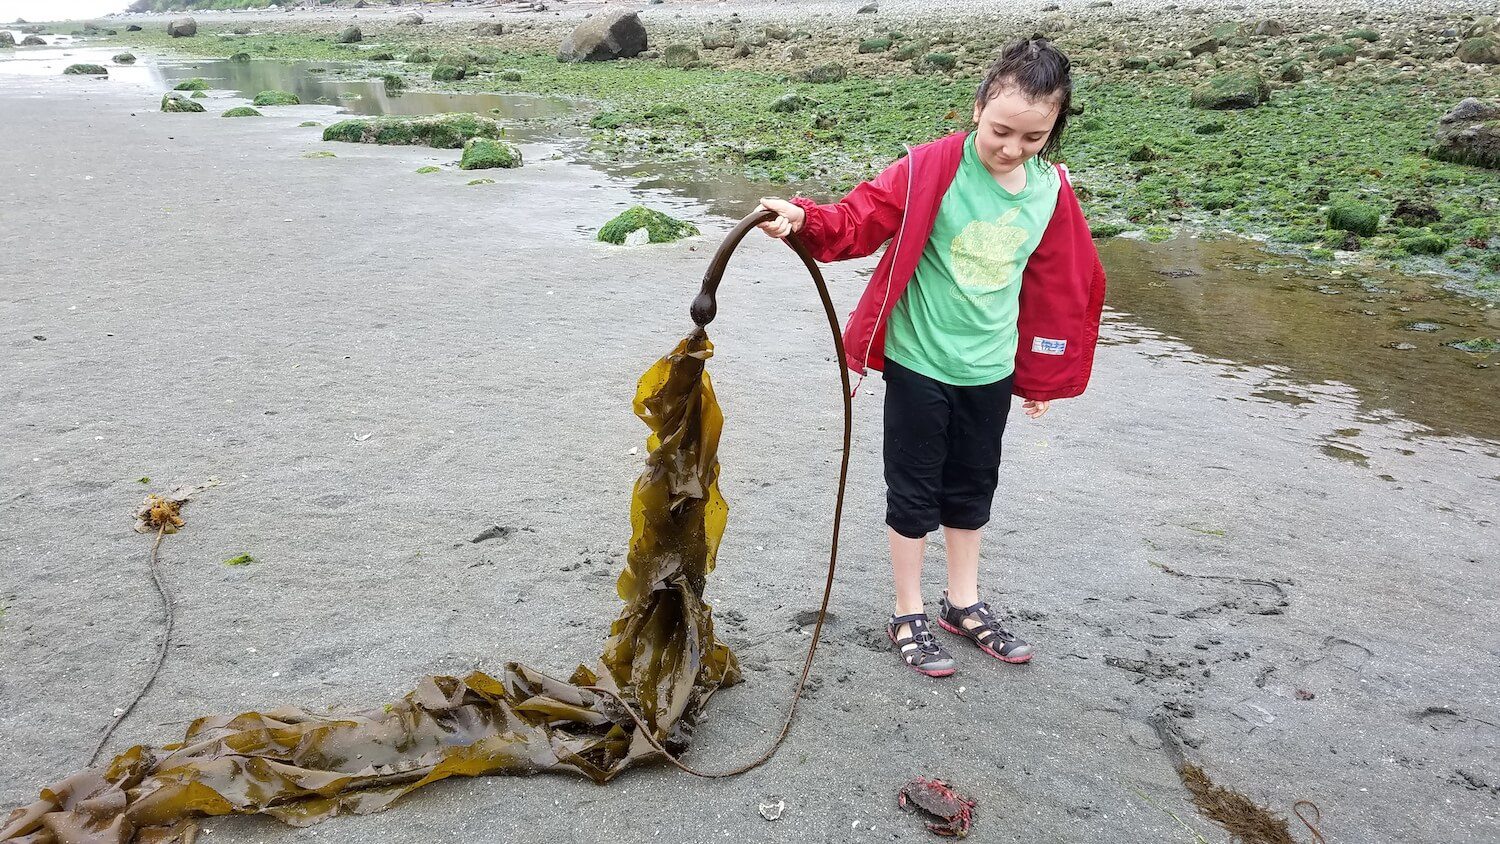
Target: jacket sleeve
x=858 y=224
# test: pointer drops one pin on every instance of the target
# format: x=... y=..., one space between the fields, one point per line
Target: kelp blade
x=303 y=767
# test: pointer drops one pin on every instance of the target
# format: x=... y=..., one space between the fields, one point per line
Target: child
x=991 y=287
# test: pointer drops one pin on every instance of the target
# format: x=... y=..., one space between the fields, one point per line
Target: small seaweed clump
x=659 y=227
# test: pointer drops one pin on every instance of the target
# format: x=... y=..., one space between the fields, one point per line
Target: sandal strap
x=927 y=646
x=989 y=627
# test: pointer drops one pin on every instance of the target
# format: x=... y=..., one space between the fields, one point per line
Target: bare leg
x=906 y=560
x=963 y=569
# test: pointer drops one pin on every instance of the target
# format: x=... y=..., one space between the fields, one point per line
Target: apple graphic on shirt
x=983 y=255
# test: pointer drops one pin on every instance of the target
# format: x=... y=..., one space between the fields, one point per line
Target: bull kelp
x=302 y=767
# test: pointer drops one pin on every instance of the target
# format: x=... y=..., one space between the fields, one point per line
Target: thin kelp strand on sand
x=303 y=767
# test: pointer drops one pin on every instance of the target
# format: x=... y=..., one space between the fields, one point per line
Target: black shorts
x=942 y=451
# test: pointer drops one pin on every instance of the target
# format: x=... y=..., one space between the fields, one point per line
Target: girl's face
x=1012 y=129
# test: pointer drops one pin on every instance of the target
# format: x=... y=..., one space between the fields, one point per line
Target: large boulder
x=1231 y=91
x=276 y=98
x=6 y=39
x=490 y=28
x=409 y=19
x=86 y=70
x=182 y=28
x=604 y=37
x=351 y=35
x=1469 y=134
x=33 y=41
x=1484 y=49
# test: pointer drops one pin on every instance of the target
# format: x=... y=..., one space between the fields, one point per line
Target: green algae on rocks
x=177 y=102
x=660 y=228
x=241 y=111
x=86 y=70
x=443 y=131
x=194 y=84
x=276 y=98
x=485 y=153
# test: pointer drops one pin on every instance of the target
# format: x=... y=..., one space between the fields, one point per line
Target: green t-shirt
x=956 y=322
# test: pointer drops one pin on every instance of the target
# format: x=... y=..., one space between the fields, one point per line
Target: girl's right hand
x=789 y=217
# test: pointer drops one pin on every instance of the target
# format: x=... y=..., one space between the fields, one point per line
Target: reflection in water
x=1385 y=334
x=318 y=83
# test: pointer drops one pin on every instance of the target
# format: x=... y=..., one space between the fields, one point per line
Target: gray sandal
x=918 y=648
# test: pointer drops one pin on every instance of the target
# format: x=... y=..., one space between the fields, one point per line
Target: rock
x=717 y=39
x=1291 y=72
x=831 y=72
x=1270 y=28
x=361 y=4
x=868 y=9
x=177 y=102
x=510 y=74
x=241 y=30
x=679 y=55
x=393 y=84
x=241 y=111
x=485 y=153
x=793 y=54
x=86 y=70
x=350 y=35
x=240 y=58
x=776 y=32
x=659 y=227
x=788 y=103
x=381 y=56
x=1354 y=216
x=133 y=28
x=124 y=58
x=1207 y=45
x=1135 y=62
x=195 y=84
x=1482 y=50
x=6 y=39
x=448 y=73
x=1469 y=134
x=874 y=45
x=182 y=28
x=443 y=131
x=1339 y=54
x=409 y=19
x=33 y=41
x=494 y=28
x=421 y=55
x=1368 y=35
x=200 y=95
x=605 y=37
x=1231 y=91
x=741 y=50
x=1144 y=152
x=276 y=98
x=1414 y=212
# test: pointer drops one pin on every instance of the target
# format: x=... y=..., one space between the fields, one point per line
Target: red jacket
x=1062 y=287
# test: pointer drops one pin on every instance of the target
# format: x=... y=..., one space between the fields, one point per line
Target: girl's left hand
x=1035 y=409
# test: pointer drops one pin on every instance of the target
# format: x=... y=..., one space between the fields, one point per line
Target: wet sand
x=379 y=365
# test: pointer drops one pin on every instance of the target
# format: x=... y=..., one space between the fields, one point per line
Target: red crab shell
x=938 y=799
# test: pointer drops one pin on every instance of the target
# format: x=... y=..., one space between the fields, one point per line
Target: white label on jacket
x=1045 y=346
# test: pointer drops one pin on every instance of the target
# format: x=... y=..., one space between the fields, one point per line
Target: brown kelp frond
x=303 y=767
